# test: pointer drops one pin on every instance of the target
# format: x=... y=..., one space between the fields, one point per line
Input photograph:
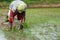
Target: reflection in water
x=37 y=32
x=2 y=36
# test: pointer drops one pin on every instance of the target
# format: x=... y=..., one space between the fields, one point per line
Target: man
x=17 y=7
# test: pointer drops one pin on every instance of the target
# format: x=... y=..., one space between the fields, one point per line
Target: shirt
x=14 y=4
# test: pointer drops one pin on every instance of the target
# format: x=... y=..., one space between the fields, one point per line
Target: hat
x=20 y=7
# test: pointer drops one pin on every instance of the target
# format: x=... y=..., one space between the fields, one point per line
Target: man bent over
x=17 y=8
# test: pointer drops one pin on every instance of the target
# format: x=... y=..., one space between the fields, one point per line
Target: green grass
x=42 y=15
x=0 y=14
x=5 y=3
x=3 y=10
x=42 y=24
x=42 y=1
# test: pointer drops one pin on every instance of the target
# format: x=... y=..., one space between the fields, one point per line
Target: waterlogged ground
x=41 y=24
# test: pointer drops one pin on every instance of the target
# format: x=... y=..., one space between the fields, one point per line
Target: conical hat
x=20 y=7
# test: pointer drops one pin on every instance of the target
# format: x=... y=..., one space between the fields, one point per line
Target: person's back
x=13 y=6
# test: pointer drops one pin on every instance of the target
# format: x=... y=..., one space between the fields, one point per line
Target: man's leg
x=22 y=23
x=10 y=18
x=22 y=18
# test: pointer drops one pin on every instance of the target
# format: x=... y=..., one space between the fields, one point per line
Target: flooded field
x=41 y=24
x=2 y=36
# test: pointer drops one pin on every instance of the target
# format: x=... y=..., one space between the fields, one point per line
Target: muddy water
x=47 y=31
x=2 y=35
